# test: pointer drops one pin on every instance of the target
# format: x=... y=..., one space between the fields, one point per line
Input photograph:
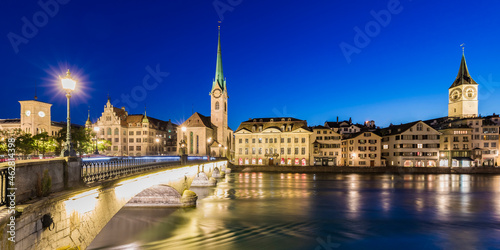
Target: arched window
x=225 y=106
x=191 y=143
x=109 y=131
x=117 y=131
x=216 y=105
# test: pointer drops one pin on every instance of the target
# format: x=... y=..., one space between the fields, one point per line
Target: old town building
x=273 y=141
x=414 y=144
x=325 y=148
x=134 y=135
x=361 y=149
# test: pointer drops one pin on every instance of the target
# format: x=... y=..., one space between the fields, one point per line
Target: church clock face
x=41 y=114
x=217 y=93
x=455 y=95
x=28 y=113
x=470 y=93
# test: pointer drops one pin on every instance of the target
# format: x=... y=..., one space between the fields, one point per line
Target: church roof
x=463 y=76
x=197 y=120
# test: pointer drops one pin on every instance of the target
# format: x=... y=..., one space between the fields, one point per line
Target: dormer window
x=282 y=119
x=260 y=128
x=289 y=119
x=272 y=120
x=260 y=120
x=254 y=128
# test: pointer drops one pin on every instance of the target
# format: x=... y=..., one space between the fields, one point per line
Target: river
x=321 y=211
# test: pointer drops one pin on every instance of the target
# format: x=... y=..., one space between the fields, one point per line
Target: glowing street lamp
x=96 y=129
x=68 y=84
x=157 y=146
x=209 y=140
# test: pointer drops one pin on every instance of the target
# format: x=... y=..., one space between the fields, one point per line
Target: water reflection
x=297 y=211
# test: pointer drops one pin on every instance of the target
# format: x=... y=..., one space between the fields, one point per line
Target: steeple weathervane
x=463 y=48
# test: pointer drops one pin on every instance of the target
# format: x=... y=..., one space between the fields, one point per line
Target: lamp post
x=208 y=147
x=220 y=153
x=96 y=129
x=68 y=85
x=157 y=147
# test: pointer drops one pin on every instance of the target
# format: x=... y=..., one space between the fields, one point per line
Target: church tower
x=463 y=101
x=219 y=101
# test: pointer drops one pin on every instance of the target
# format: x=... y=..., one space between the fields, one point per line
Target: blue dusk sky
x=388 y=61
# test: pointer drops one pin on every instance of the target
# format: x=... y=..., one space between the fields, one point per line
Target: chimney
x=337 y=119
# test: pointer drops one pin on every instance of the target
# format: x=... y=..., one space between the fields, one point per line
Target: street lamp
x=157 y=148
x=208 y=147
x=96 y=129
x=225 y=152
x=68 y=84
x=220 y=153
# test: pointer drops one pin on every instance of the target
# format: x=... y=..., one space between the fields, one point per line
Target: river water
x=321 y=211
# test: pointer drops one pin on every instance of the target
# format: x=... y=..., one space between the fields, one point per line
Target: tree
x=44 y=143
x=25 y=144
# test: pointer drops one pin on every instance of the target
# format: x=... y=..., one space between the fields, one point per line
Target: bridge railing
x=4 y=180
x=93 y=171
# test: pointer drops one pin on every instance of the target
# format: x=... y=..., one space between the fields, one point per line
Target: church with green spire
x=206 y=135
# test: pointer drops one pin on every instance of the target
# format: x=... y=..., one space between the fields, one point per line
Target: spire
x=36 y=97
x=145 y=119
x=463 y=76
x=219 y=74
x=88 y=123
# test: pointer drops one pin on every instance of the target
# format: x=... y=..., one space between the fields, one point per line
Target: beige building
x=361 y=149
x=414 y=144
x=35 y=119
x=210 y=135
x=325 y=149
x=455 y=144
x=134 y=135
x=273 y=141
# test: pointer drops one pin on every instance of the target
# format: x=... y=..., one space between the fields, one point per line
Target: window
x=260 y=151
x=386 y=146
x=303 y=140
x=267 y=140
x=253 y=151
x=240 y=140
x=131 y=133
x=117 y=132
x=486 y=144
x=296 y=140
x=138 y=148
x=253 y=140
x=419 y=146
x=282 y=151
x=289 y=140
x=216 y=105
x=304 y=151
x=137 y=132
x=240 y=151
x=419 y=127
x=289 y=150
x=109 y=131
x=117 y=139
x=131 y=148
x=137 y=140
x=260 y=140
x=246 y=140
x=115 y=148
x=246 y=151
x=493 y=144
x=282 y=140
x=296 y=151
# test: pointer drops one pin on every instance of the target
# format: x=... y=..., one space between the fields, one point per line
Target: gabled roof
x=197 y=120
x=397 y=129
x=354 y=135
x=463 y=76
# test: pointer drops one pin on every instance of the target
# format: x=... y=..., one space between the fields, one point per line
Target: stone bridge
x=73 y=215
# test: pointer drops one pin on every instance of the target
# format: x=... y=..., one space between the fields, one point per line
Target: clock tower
x=219 y=98
x=35 y=117
x=462 y=94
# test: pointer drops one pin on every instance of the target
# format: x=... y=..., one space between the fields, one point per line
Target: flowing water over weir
x=321 y=211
